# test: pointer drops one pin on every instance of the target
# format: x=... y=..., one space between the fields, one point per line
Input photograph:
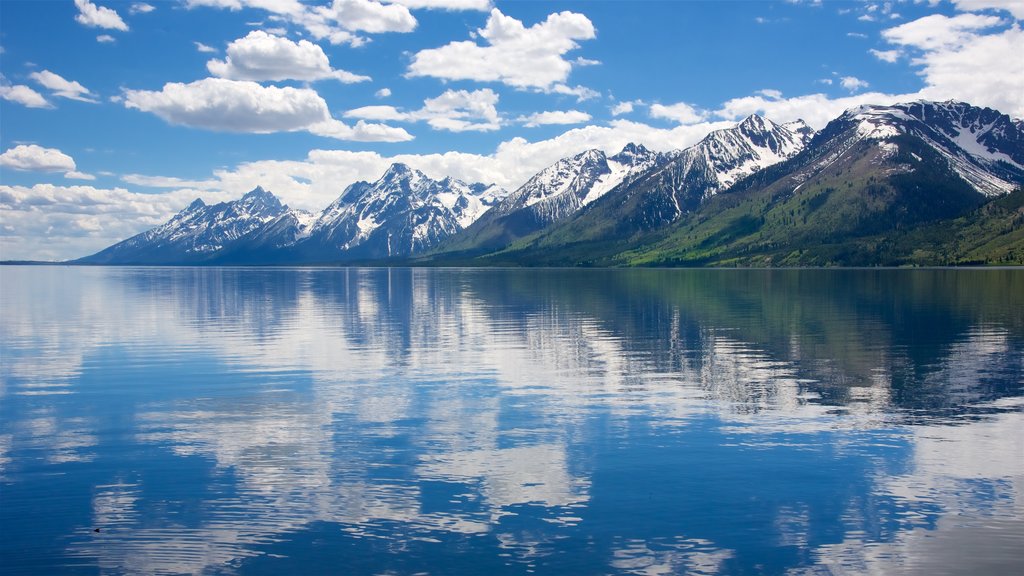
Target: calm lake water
x=375 y=421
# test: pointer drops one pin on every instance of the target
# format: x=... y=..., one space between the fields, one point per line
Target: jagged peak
x=259 y=196
x=633 y=149
x=590 y=155
x=399 y=170
x=756 y=123
x=196 y=204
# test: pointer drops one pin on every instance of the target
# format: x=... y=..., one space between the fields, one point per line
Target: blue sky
x=117 y=114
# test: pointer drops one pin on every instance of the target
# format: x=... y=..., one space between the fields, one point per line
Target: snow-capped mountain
x=680 y=183
x=555 y=193
x=402 y=213
x=718 y=161
x=571 y=183
x=197 y=233
x=981 y=145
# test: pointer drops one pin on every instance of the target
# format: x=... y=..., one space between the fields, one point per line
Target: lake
x=481 y=421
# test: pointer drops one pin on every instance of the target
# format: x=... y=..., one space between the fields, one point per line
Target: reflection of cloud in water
x=972 y=476
x=374 y=383
x=669 y=556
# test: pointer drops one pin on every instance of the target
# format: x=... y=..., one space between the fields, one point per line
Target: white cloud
x=204 y=48
x=856 y=35
x=337 y=22
x=37 y=159
x=580 y=92
x=95 y=16
x=141 y=8
x=680 y=112
x=383 y=93
x=361 y=132
x=369 y=16
x=23 y=95
x=815 y=109
x=961 y=59
x=62 y=87
x=852 y=83
x=260 y=56
x=46 y=221
x=521 y=57
x=480 y=5
x=76 y=175
x=105 y=39
x=1014 y=7
x=168 y=182
x=889 y=56
x=454 y=111
x=958 y=60
x=623 y=108
x=937 y=32
x=555 y=117
x=241 y=106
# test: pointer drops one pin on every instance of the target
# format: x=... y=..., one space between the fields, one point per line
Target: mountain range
x=914 y=183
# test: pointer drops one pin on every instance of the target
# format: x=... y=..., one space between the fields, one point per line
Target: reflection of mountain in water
x=478 y=410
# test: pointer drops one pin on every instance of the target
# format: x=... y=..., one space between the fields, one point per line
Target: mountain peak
x=397 y=170
x=196 y=204
x=633 y=150
x=755 y=124
x=258 y=192
x=262 y=200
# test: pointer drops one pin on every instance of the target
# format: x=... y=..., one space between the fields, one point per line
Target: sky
x=114 y=115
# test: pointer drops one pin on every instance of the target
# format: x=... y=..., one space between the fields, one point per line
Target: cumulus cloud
x=622 y=108
x=937 y=32
x=338 y=23
x=62 y=87
x=969 y=57
x=241 y=106
x=50 y=222
x=454 y=111
x=105 y=39
x=889 y=56
x=95 y=16
x=511 y=53
x=23 y=95
x=1014 y=7
x=681 y=112
x=383 y=93
x=261 y=56
x=368 y=16
x=852 y=83
x=204 y=48
x=451 y=5
x=555 y=117
x=37 y=159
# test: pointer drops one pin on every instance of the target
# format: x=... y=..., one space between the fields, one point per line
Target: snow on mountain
x=981 y=145
x=667 y=190
x=725 y=156
x=198 y=232
x=402 y=213
x=571 y=183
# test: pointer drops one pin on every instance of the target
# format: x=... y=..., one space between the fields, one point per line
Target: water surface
x=375 y=421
